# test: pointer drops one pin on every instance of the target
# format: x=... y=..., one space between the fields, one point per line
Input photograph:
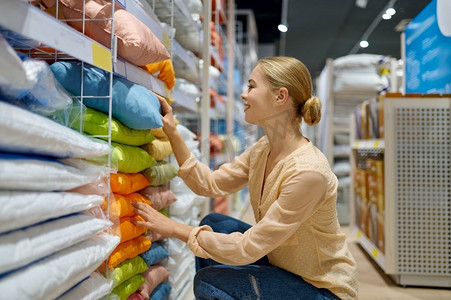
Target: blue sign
x=428 y=50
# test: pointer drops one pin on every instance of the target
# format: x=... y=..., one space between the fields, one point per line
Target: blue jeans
x=259 y=280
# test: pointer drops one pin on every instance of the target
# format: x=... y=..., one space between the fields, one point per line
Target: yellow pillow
x=159 y=148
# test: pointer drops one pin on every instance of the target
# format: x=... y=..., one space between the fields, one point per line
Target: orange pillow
x=129 y=230
x=135 y=41
x=127 y=183
x=164 y=70
x=123 y=206
x=126 y=250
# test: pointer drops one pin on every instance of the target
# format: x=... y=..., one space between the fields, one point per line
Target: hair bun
x=311 y=111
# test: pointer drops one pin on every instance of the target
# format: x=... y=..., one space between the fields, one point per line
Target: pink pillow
x=135 y=296
x=159 y=196
x=153 y=236
x=135 y=41
x=155 y=275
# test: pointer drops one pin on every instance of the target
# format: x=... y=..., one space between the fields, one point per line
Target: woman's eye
x=249 y=86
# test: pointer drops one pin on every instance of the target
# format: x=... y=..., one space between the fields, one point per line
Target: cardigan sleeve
x=301 y=195
x=227 y=179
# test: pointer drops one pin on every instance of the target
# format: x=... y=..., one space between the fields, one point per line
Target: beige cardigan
x=295 y=211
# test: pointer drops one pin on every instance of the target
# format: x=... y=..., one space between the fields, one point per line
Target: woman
x=295 y=250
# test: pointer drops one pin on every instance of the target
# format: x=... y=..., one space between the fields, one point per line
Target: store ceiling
x=321 y=29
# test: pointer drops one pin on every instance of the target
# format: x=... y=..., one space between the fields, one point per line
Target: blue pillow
x=160 y=292
x=155 y=254
x=133 y=105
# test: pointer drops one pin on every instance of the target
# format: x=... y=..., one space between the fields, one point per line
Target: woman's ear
x=282 y=95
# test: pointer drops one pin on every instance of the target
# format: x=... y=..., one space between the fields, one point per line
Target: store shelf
x=35 y=24
x=184 y=102
x=137 y=75
x=369 y=144
x=369 y=247
x=179 y=52
x=180 y=18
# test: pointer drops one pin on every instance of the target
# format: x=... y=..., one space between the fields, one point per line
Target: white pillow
x=12 y=72
x=358 y=61
x=20 y=209
x=94 y=287
x=33 y=173
x=27 y=132
x=54 y=275
x=29 y=244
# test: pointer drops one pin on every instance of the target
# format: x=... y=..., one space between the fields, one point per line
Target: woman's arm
x=199 y=177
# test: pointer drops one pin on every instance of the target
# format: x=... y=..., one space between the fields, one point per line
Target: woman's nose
x=243 y=95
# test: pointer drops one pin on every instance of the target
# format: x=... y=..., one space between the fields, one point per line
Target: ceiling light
x=282 y=28
x=390 y=11
x=364 y=44
x=386 y=16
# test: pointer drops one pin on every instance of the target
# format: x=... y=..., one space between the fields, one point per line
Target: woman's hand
x=159 y=223
x=154 y=220
x=166 y=115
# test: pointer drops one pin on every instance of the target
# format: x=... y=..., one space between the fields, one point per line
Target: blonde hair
x=288 y=72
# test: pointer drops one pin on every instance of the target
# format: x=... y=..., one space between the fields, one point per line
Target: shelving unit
x=415 y=220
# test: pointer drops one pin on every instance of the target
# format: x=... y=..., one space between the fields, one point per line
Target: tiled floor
x=373 y=283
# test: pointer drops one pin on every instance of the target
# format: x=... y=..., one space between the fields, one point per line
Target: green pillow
x=161 y=173
x=127 y=159
x=96 y=123
x=127 y=270
x=127 y=288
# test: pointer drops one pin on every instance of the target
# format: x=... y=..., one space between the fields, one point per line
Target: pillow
x=123 y=206
x=128 y=249
x=122 y=183
x=159 y=149
x=160 y=292
x=127 y=270
x=154 y=255
x=160 y=196
x=155 y=275
x=128 y=287
x=161 y=173
x=153 y=236
x=136 y=296
x=94 y=287
x=129 y=230
x=52 y=276
x=37 y=173
x=44 y=96
x=12 y=72
x=159 y=133
x=133 y=105
x=127 y=159
x=164 y=70
x=20 y=209
x=29 y=133
x=135 y=41
x=96 y=123
x=361 y=60
x=32 y=243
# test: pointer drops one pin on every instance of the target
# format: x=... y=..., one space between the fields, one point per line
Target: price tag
x=376 y=143
x=359 y=234
x=374 y=253
x=101 y=57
